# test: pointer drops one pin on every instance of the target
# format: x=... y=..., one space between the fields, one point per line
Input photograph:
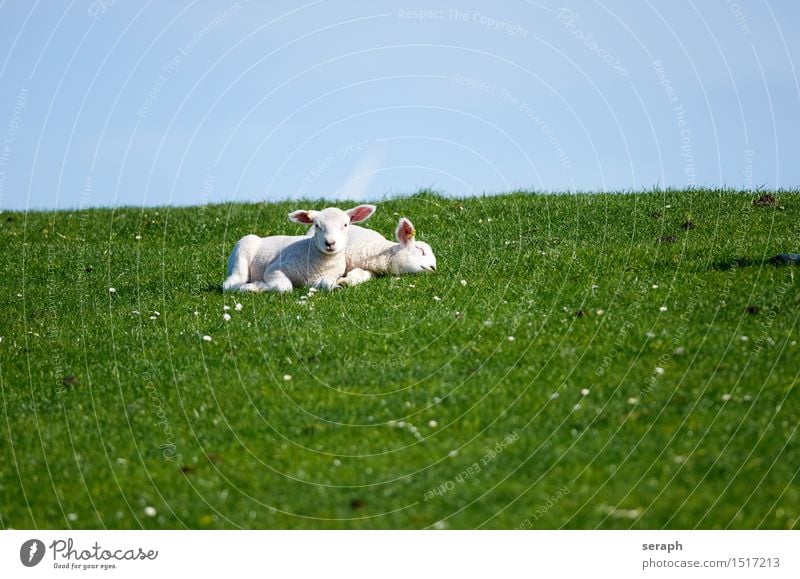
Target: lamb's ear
x=360 y=213
x=303 y=216
x=405 y=231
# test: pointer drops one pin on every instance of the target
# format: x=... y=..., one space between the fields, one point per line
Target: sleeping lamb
x=370 y=253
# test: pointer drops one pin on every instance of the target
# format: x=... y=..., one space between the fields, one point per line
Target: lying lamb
x=283 y=262
x=370 y=253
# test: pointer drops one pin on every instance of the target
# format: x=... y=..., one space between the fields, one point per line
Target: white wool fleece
x=283 y=262
x=368 y=253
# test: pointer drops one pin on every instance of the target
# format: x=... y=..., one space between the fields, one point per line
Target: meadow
x=578 y=361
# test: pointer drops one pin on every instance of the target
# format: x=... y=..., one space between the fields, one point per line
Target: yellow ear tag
x=413 y=232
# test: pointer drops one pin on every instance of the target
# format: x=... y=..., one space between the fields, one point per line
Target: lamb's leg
x=276 y=281
x=238 y=269
x=354 y=277
x=235 y=283
x=326 y=283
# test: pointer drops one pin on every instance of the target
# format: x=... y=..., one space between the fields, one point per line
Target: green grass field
x=589 y=361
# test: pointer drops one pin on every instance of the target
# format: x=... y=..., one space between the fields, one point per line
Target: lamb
x=282 y=262
x=370 y=253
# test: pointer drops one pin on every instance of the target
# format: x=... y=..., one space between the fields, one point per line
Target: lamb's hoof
x=326 y=285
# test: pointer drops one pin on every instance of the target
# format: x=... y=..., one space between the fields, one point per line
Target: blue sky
x=152 y=103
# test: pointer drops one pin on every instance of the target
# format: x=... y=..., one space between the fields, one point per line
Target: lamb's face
x=330 y=227
x=415 y=259
x=412 y=256
x=330 y=230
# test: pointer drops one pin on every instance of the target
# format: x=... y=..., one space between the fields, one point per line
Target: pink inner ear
x=301 y=217
x=405 y=232
x=360 y=213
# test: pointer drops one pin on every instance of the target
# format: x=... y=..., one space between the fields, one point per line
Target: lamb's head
x=411 y=256
x=329 y=227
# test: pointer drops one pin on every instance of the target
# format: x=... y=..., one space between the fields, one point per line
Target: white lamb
x=370 y=253
x=284 y=262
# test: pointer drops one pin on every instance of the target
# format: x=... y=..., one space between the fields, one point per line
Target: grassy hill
x=612 y=361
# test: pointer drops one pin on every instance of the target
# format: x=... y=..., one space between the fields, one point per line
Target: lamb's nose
x=330 y=243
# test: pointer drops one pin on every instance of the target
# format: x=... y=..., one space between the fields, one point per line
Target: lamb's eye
x=421 y=251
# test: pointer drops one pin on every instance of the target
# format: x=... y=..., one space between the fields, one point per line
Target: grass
x=651 y=382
